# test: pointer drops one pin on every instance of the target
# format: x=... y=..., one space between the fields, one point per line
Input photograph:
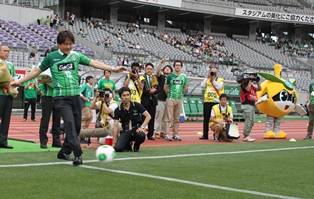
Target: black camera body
x=225 y=115
x=134 y=71
x=101 y=93
x=246 y=76
x=212 y=74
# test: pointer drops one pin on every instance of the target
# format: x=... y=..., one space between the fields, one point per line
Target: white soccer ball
x=105 y=153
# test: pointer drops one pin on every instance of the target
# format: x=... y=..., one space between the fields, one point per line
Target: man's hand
x=15 y=84
x=152 y=90
x=120 y=69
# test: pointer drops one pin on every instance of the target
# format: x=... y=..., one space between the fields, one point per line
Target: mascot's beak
x=262 y=99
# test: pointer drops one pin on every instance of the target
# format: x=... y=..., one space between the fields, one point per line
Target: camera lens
x=134 y=71
x=212 y=73
x=107 y=95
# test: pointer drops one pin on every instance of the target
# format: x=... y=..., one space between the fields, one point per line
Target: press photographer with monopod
x=214 y=87
x=249 y=85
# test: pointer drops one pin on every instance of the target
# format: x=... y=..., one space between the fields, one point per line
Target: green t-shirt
x=30 y=92
x=88 y=92
x=64 y=71
x=311 y=91
x=104 y=83
x=46 y=90
x=176 y=85
x=11 y=69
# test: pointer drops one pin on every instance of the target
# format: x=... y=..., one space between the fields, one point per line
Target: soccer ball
x=105 y=153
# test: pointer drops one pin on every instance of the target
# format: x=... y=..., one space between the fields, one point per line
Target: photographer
x=214 y=87
x=133 y=81
x=249 y=86
x=221 y=115
x=106 y=106
x=130 y=114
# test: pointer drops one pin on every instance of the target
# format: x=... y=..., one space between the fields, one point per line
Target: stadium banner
x=174 y=3
x=20 y=73
x=232 y=91
x=288 y=17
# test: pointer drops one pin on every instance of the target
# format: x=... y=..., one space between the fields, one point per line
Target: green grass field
x=233 y=170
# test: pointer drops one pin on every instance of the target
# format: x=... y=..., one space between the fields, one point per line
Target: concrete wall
x=22 y=15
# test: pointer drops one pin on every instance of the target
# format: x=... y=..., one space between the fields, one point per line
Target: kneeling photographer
x=249 y=85
x=221 y=115
x=130 y=114
x=106 y=106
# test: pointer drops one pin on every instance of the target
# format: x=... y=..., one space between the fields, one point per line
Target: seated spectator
x=32 y=54
x=98 y=43
x=130 y=45
x=125 y=62
x=119 y=63
x=138 y=46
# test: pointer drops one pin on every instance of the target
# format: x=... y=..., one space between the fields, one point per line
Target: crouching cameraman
x=106 y=106
x=221 y=115
x=130 y=115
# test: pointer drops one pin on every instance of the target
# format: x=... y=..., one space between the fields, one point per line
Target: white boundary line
x=192 y=183
x=173 y=179
x=160 y=157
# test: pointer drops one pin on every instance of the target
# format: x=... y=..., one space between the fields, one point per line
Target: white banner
x=174 y=3
x=288 y=17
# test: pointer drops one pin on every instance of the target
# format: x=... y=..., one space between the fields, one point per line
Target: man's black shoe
x=6 y=146
x=136 y=148
x=77 y=160
x=64 y=156
x=203 y=138
x=151 y=138
x=57 y=145
x=43 y=146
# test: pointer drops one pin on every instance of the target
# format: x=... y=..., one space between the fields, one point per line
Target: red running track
x=188 y=132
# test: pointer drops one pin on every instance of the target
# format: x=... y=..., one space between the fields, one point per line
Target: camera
x=101 y=93
x=212 y=74
x=134 y=71
x=246 y=76
x=225 y=115
x=107 y=95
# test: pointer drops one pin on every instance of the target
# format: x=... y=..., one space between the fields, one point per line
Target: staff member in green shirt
x=30 y=96
x=64 y=65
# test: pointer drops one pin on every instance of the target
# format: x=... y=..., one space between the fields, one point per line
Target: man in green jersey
x=30 y=98
x=63 y=65
x=106 y=82
x=6 y=100
x=87 y=94
x=175 y=87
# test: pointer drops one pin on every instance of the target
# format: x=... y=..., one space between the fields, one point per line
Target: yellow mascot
x=276 y=99
x=5 y=77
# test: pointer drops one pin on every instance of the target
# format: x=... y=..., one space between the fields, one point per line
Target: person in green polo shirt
x=30 y=98
x=6 y=100
x=106 y=82
x=175 y=87
x=64 y=67
x=87 y=94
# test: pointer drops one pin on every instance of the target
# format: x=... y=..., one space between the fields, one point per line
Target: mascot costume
x=5 y=76
x=276 y=99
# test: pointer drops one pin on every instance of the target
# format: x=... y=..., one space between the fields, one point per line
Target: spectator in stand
x=138 y=46
x=39 y=20
x=119 y=63
x=47 y=20
x=32 y=54
x=98 y=43
x=125 y=62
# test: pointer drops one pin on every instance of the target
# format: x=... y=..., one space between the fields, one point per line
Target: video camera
x=246 y=76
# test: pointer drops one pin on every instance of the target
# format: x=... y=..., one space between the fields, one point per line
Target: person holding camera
x=87 y=94
x=133 y=81
x=149 y=98
x=248 y=97
x=130 y=115
x=214 y=87
x=221 y=115
x=106 y=105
